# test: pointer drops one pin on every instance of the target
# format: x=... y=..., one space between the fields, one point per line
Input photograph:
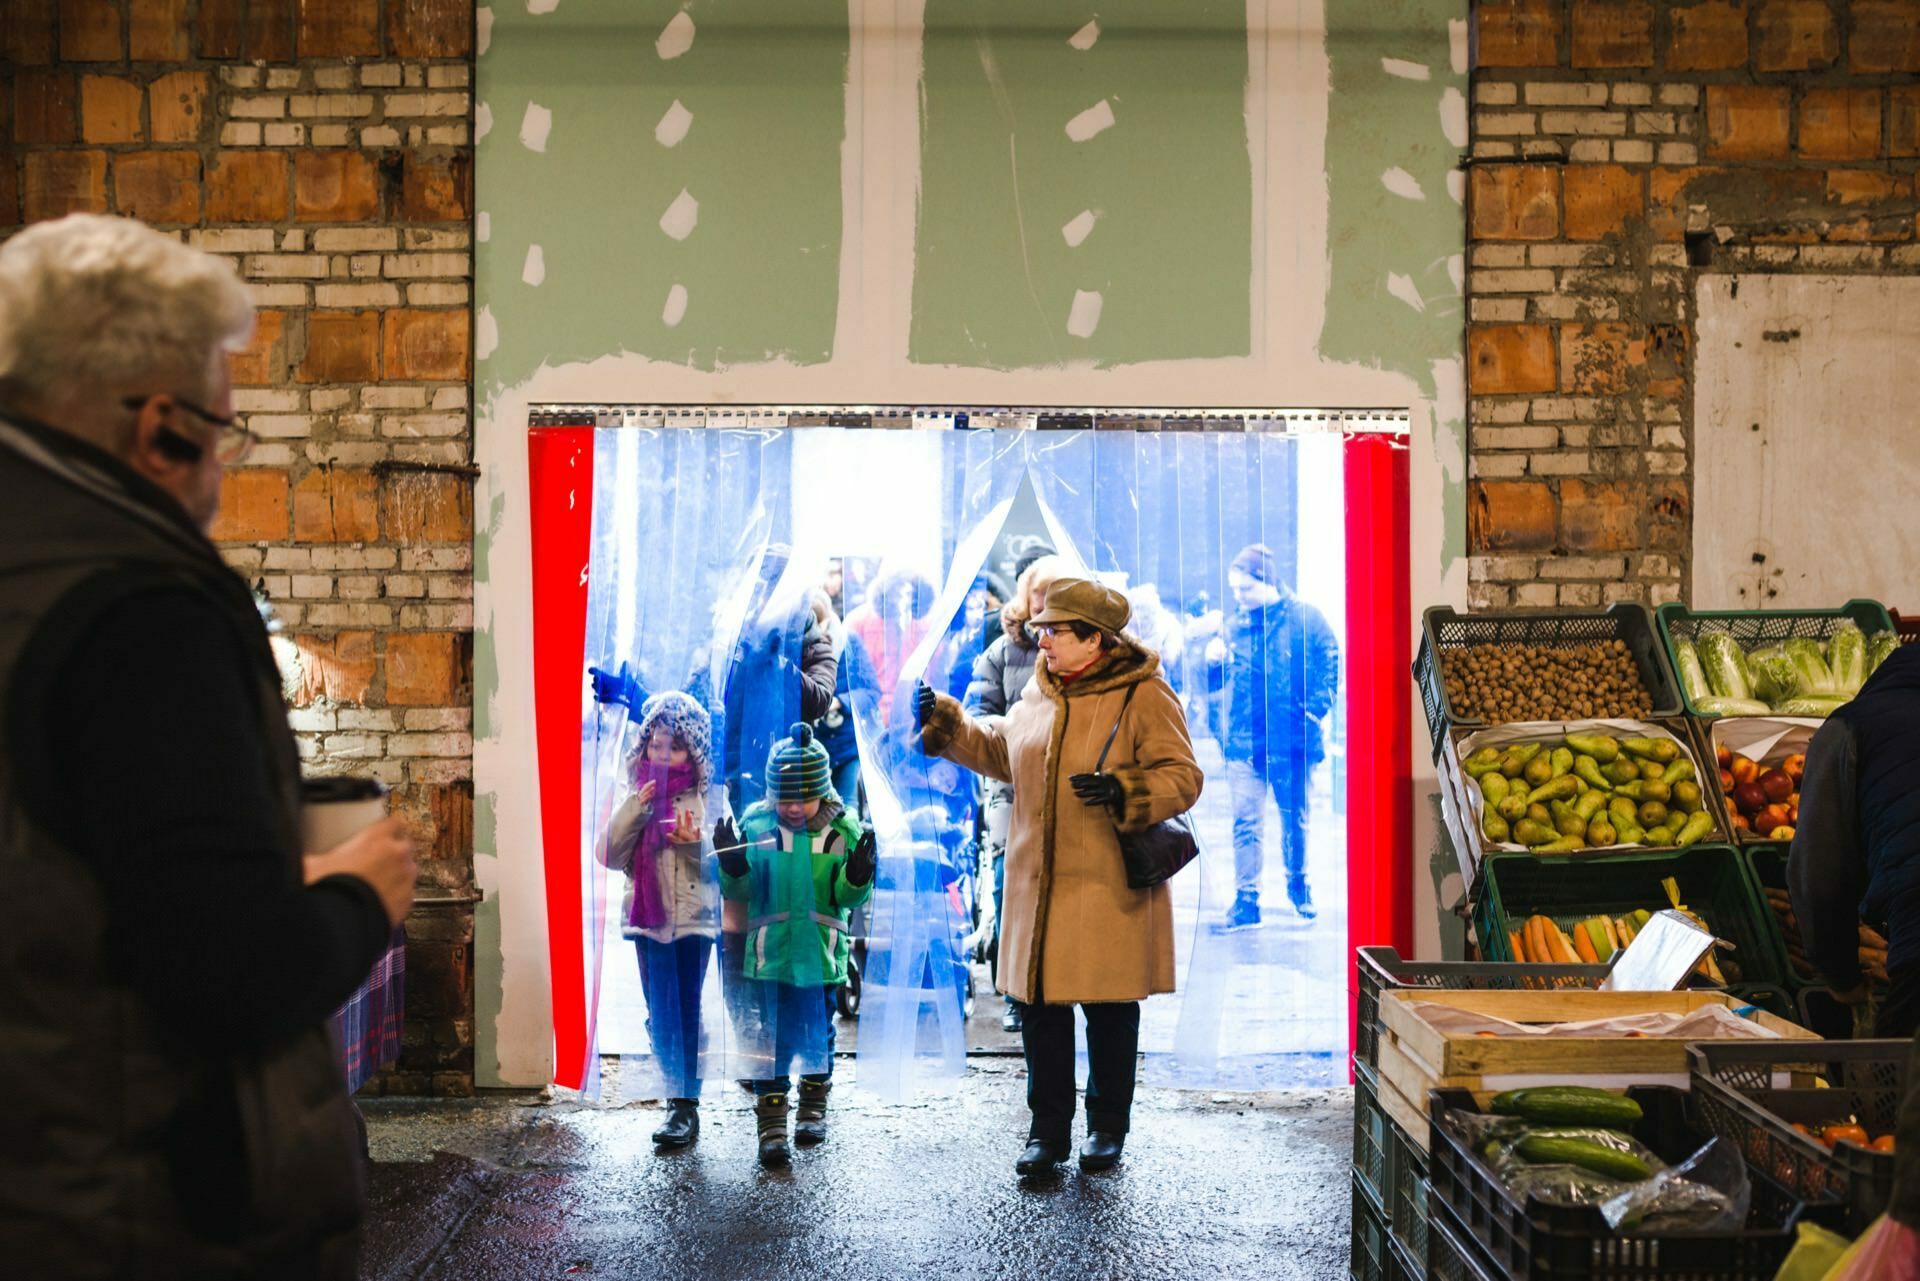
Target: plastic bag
x=1887 y=1251
x=1814 y=1254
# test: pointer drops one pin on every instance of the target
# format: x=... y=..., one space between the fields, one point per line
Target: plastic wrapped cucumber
x=1775 y=677
x=1847 y=658
x=1693 y=678
x=1725 y=664
x=1816 y=678
x=1880 y=648
x=1717 y=706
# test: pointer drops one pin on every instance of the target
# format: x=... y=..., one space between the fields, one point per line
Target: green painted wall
x=1168 y=183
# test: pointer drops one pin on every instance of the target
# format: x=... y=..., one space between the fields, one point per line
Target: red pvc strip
x=1379 y=710
x=560 y=485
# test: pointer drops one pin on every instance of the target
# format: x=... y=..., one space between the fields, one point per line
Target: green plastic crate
x=1714 y=880
x=1753 y=627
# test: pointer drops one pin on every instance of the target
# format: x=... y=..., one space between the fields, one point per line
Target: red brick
x=177 y=106
x=1903 y=120
x=436 y=188
x=423 y=345
x=45 y=108
x=1509 y=359
x=157 y=31
x=336 y=505
x=1668 y=195
x=1515 y=202
x=1602 y=199
x=64 y=182
x=342 y=347
x=430 y=28
x=1518 y=33
x=335 y=185
x=90 y=31
x=337 y=28
x=1748 y=122
x=27 y=33
x=1794 y=35
x=256 y=30
x=1707 y=37
x=158 y=187
x=338 y=668
x=253 y=506
x=428 y=507
x=1613 y=33
x=1865 y=186
x=1510 y=516
x=265 y=360
x=1600 y=516
x=428 y=669
x=1885 y=36
x=247 y=186
x=1598 y=359
x=110 y=109
x=1840 y=124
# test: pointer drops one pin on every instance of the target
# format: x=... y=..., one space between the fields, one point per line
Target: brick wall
x=325 y=146
x=1620 y=148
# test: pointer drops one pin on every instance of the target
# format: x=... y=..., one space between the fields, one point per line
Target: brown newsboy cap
x=1076 y=600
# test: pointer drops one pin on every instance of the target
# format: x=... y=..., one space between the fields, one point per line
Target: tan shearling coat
x=1072 y=929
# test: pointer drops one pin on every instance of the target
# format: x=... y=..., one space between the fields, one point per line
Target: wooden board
x=1405 y=1113
x=1452 y=1059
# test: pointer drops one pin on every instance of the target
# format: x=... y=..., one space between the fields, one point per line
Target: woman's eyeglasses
x=231 y=443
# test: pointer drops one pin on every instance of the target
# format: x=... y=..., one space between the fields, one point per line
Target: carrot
x=1583 y=946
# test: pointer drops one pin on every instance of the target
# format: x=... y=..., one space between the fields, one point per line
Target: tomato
x=1883 y=1144
x=1802 y=1129
x=1845 y=1134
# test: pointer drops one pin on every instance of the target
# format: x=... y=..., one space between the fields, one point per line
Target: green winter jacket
x=797 y=896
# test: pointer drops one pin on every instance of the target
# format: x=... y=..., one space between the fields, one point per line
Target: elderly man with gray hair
x=169 y=954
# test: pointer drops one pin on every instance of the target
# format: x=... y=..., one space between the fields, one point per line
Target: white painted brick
x=294 y=242
x=1663 y=594
x=348 y=453
x=239 y=133
x=1561 y=464
x=307 y=265
x=1586 y=123
x=355 y=424
x=394 y=398
x=280 y=426
x=418 y=238
x=1503 y=123
x=1679 y=153
x=379 y=136
x=1667 y=464
x=448 y=75
x=449 y=587
x=275 y=585
x=233 y=240
x=275 y=295
x=439 y=618
x=1494 y=93
x=1499 y=255
x=257 y=107
x=438 y=719
x=1633 y=152
x=1669 y=438
x=1840 y=255
x=403 y=265
x=333 y=77
x=427 y=425
x=1489 y=596
x=1580 y=595
x=1498 y=411
x=447 y=135
x=328 y=399
x=286 y=135
x=290 y=615
x=378 y=294
x=1614 y=593
x=1668 y=256
x=293 y=558
x=240 y=77
x=434 y=559
x=256 y=400
x=1499 y=310
x=439 y=771
x=449 y=453
x=304 y=106
x=380 y=75
x=1583 y=567
x=1653 y=122
x=1575 y=437
x=413 y=76
x=369 y=719
x=1486 y=150
x=430 y=745
x=353 y=746
x=405 y=586
x=244 y=559
x=1560 y=93
x=1569 y=255
x=1679 y=95
x=312 y=586
x=350 y=558
x=358 y=587
x=336 y=240
x=1535 y=595
x=307 y=746
x=426 y=104
x=1510 y=282
x=1588 y=151
x=350 y=615
x=283 y=77
x=1633 y=93
x=361 y=266
x=330 y=136
x=271 y=454
x=450 y=398
x=1542 y=149
x=1515 y=437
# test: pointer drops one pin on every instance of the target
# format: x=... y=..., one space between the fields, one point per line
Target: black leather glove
x=924 y=701
x=1096 y=789
x=731 y=850
x=861 y=862
x=617 y=687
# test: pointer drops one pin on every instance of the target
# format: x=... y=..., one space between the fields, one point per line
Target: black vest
x=112 y=1135
x=1885 y=719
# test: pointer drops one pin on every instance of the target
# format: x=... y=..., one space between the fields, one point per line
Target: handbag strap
x=1101 y=764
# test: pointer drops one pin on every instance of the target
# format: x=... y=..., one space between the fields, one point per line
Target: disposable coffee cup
x=334 y=810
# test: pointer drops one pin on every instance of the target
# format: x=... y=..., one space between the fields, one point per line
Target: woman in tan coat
x=1074 y=932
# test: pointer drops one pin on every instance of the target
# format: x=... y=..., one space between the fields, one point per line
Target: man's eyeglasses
x=232 y=441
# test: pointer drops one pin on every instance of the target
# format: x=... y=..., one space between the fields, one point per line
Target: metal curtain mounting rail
x=975 y=417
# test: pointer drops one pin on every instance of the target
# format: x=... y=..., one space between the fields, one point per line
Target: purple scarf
x=651 y=908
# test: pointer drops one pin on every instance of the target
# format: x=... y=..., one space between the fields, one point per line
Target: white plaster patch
x=1402 y=183
x=673 y=126
x=1457 y=44
x=1083 y=38
x=1457 y=185
x=1403 y=288
x=1405 y=70
x=1457 y=270
x=1084 y=317
x=1094 y=120
x=682 y=216
x=677 y=38
x=676 y=309
x=482 y=30
x=482 y=121
x=1078 y=228
x=486 y=334
x=483 y=226
x=535 y=269
x=542 y=6
x=1453 y=116
x=535 y=126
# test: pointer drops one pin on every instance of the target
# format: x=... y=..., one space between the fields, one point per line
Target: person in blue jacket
x=1283 y=674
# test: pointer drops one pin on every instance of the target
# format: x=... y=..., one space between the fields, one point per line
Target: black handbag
x=1157 y=853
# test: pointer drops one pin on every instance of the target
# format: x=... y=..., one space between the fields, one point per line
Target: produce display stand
x=1789 y=735
x=1381 y=969
x=1444 y=629
x=1905 y=626
x=1736 y=1088
x=1451 y=1254
x=1530 y=1238
x=1754 y=627
x=1714 y=882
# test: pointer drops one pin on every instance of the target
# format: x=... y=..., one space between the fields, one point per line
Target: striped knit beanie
x=799 y=769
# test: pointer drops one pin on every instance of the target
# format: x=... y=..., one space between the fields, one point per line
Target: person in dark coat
x=1283 y=673
x=1856 y=849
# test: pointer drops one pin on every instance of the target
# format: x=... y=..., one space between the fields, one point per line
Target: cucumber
x=1568 y=1105
x=1611 y=1162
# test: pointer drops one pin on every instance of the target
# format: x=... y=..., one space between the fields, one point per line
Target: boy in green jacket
x=801 y=865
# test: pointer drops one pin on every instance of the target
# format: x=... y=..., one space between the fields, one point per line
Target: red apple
x=1723 y=754
x=1726 y=783
x=1776 y=784
x=1795 y=766
x=1771 y=817
x=1748 y=797
x=1741 y=823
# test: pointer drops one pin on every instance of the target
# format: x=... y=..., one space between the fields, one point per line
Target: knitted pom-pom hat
x=799 y=768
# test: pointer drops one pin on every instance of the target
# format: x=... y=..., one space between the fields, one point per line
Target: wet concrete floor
x=512 y=1187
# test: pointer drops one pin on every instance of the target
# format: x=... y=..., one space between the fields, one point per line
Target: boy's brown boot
x=810 y=1123
x=771 y=1112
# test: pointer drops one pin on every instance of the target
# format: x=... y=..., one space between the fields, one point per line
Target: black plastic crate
x=1533 y=1239
x=1748 y=628
x=1451 y=1253
x=1714 y=883
x=1369 y=1259
x=1445 y=629
x=1768 y=863
x=1381 y=969
x=1818 y=1011
x=1371 y=1153
x=1405 y=1265
x=1407 y=1192
x=1734 y=1086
